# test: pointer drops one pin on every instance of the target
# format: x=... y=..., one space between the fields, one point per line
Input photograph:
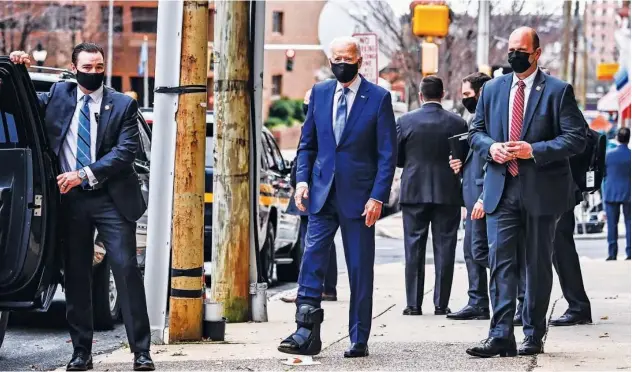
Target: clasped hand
x=503 y=152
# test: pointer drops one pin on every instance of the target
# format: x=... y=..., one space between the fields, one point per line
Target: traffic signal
x=289 y=59
x=431 y=18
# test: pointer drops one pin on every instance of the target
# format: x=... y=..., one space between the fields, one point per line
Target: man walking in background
x=430 y=194
x=331 y=278
x=616 y=193
x=475 y=240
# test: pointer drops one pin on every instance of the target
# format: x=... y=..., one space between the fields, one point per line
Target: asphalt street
x=40 y=341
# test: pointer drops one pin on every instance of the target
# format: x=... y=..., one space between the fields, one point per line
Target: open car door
x=29 y=198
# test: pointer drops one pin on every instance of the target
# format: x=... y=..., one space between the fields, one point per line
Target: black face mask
x=344 y=72
x=305 y=107
x=519 y=61
x=90 y=81
x=470 y=104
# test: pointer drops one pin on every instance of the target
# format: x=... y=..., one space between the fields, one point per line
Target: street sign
x=369 y=49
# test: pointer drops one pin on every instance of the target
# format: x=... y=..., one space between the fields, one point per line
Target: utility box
x=431 y=19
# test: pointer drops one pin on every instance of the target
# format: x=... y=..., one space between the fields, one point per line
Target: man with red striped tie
x=527 y=126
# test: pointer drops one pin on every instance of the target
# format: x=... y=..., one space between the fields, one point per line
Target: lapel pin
x=362 y=97
x=538 y=88
x=107 y=107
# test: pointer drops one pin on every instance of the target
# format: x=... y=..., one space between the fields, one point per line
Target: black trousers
x=418 y=219
x=84 y=211
x=506 y=228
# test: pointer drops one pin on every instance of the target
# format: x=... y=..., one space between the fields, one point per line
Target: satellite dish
x=336 y=21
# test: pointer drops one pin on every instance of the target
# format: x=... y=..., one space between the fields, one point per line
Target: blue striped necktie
x=341 y=115
x=83 y=141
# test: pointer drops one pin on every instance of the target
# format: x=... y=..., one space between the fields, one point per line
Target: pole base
x=214 y=330
x=300 y=360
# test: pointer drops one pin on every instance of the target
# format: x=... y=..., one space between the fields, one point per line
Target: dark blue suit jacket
x=363 y=164
x=554 y=127
x=616 y=186
x=423 y=150
x=117 y=142
x=473 y=178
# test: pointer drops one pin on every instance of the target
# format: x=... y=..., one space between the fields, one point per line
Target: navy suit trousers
x=359 y=246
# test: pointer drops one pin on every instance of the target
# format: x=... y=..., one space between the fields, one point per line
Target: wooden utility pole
x=188 y=200
x=231 y=181
x=566 y=40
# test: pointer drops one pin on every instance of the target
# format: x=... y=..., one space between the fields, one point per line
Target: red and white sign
x=369 y=49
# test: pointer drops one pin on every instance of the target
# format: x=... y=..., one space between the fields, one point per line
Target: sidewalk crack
x=347 y=334
x=533 y=363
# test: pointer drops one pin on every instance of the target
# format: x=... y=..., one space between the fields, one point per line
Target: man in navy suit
x=331 y=278
x=346 y=163
x=94 y=132
x=475 y=250
x=616 y=192
x=430 y=195
x=527 y=126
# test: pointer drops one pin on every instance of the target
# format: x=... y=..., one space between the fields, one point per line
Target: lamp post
x=39 y=55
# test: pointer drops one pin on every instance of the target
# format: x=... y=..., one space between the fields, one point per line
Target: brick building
x=600 y=30
x=57 y=25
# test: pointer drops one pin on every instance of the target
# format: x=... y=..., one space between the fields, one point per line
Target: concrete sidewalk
x=393 y=227
x=427 y=342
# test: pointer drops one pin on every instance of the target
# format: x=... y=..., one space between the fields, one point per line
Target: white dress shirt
x=69 y=147
x=351 y=95
x=528 y=81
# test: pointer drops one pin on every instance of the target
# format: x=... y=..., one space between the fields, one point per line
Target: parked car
x=30 y=270
x=279 y=244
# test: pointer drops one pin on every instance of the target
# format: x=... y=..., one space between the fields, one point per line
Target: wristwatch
x=82 y=174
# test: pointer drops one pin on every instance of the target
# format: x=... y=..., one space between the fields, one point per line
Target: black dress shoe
x=570 y=319
x=442 y=310
x=329 y=297
x=517 y=320
x=412 y=310
x=470 y=313
x=81 y=361
x=494 y=346
x=531 y=346
x=143 y=362
x=627 y=258
x=610 y=258
x=357 y=351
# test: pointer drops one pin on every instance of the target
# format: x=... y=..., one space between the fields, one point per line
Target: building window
x=117 y=83
x=277 y=83
x=144 y=20
x=277 y=22
x=66 y=18
x=117 y=19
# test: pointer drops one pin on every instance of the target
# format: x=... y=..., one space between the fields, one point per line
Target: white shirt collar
x=96 y=96
x=528 y=81
x=354 y=87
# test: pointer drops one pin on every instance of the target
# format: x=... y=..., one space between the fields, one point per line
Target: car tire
x=289 y=272
x=266 y=255
x=105 y=300
x=4 y=323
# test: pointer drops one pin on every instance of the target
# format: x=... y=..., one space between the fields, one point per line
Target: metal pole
x=566 y=40
x=231 y=182
x=187 y=261
x=482 y=41
x=108 y=66
x=168 y=48
x=575 y=45
x=146 y=74
x=259 y=300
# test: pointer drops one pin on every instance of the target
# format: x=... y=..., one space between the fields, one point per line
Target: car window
x=42 y=86
x=10 y=119
x=267 y=152
x=277 y=158
x=145 y=144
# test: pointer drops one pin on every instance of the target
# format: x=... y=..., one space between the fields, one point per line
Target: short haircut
x=85 y=47
x=623 y=135
x=477 y=80
x=431 y=87
x=347 y=40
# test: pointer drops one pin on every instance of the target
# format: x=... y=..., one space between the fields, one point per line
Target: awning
x=609 y=102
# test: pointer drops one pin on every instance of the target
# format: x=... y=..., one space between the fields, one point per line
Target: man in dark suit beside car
x=94 y=132
x=430 y=194
x=527 y=126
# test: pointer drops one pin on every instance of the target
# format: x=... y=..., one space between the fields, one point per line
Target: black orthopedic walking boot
x=306 y=339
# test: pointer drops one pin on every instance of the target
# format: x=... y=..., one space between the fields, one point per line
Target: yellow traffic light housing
x=430 y=19
x=606 y=71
